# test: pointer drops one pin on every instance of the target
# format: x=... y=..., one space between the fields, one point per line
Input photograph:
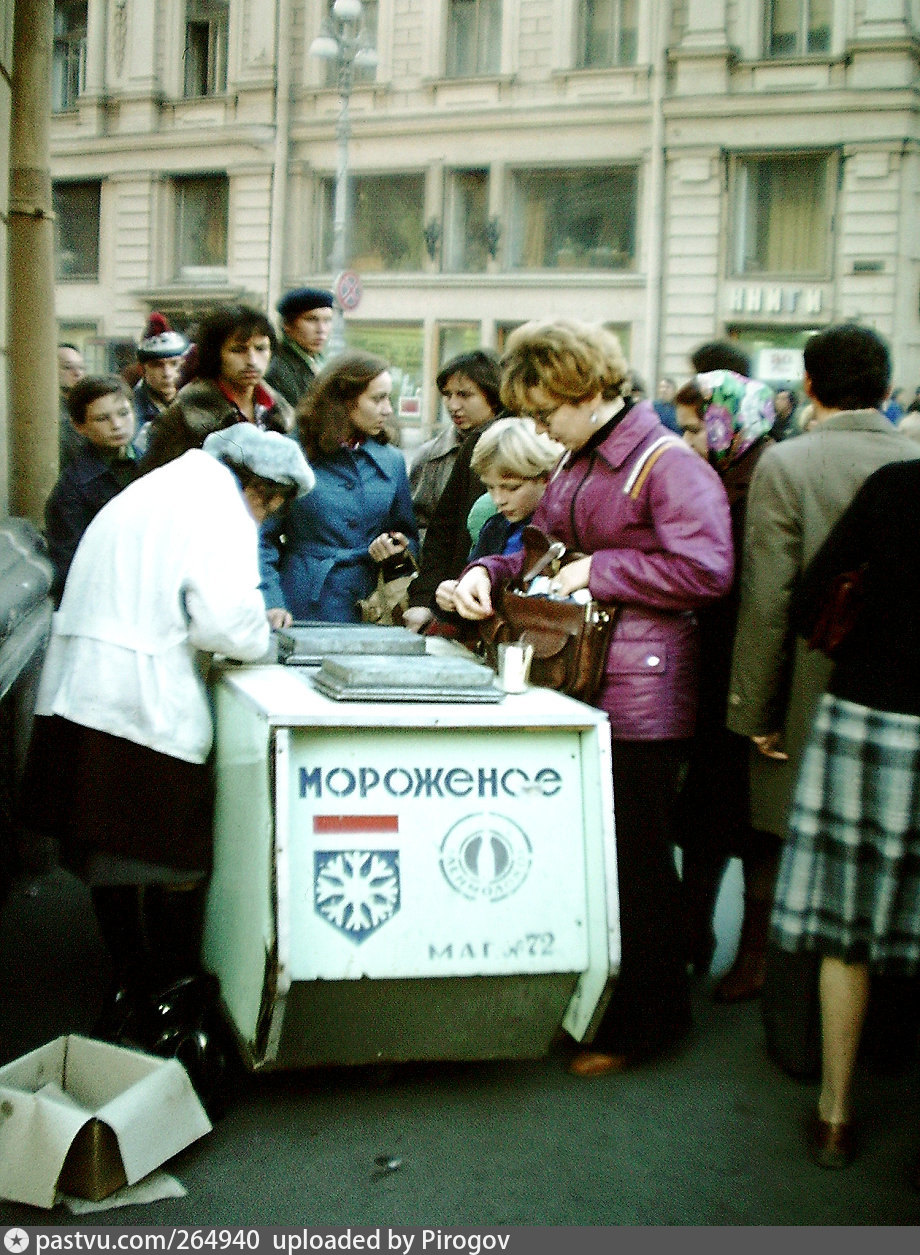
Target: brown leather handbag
x=839 y=611
x=569 y=639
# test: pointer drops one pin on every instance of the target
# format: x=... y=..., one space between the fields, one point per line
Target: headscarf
x=267 y=454
x=739 y=412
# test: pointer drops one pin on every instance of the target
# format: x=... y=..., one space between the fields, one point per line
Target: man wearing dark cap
x=159 y=356
x=306 y=320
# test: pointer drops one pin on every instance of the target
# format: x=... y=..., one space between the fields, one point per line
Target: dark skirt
x=101 y=795
x=849 y=881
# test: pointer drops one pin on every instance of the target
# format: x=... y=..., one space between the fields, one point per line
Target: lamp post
x=344 y=41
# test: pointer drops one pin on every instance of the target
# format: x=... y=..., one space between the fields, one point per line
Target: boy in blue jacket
x=102 y=412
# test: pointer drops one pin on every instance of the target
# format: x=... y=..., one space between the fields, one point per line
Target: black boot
x=174 y=920
x=118 y=912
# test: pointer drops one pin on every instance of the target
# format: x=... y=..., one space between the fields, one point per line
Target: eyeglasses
x=542 y=416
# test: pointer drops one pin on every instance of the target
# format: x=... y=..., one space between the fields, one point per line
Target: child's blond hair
x=512 y=446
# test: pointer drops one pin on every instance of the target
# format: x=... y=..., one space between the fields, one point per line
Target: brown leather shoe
x=831 y=1145
x=743 y=980
x=597 y=1063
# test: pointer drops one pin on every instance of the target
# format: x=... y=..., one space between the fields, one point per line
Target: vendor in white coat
x=165 y=575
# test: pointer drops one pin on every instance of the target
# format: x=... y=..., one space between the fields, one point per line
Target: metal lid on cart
x=309 y=643
x=424 y=679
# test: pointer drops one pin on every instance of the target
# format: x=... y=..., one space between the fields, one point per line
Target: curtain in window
x=474 y=38
x=793 y=196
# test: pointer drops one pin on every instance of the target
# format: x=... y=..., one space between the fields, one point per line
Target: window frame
x=185 y=271
x=487 y=41
x=613 y=56
x=215 y=16
x=355 y=259
x=738 y=264
x=457 y=235
x=803 y=35
x=62 y=217
x=552 y=177
x=68 y=61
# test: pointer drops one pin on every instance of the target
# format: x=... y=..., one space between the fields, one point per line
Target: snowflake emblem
x=356 y=891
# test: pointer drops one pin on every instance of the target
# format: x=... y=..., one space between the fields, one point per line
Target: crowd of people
x=247 y=483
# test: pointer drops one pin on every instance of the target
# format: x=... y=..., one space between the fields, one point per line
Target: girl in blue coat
x=320 y=556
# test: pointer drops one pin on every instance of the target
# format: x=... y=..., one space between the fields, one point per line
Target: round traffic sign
x=348 y=290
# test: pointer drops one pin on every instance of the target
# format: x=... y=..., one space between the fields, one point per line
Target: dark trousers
x=649 y=1008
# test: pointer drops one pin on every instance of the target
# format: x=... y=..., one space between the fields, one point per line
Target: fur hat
x=267 y=454
x=301 y=301
x=159 y=340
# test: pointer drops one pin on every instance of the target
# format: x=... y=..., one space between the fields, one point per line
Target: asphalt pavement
x=710 y=1136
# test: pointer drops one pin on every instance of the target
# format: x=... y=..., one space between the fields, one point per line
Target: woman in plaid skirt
x=849 y=883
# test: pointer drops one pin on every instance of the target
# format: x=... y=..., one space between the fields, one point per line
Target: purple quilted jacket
x=655 y=518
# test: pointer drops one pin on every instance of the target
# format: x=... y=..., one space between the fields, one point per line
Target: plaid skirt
x=849 y=879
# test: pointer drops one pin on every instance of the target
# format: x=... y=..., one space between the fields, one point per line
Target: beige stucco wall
x=718 y=95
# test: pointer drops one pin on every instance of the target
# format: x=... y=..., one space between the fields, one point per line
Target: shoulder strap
x=646 y=460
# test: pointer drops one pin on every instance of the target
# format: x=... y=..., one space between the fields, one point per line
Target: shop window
x=622 y=331
x=781 y=215
x=401 y=344
x=206 y=47
x=68 y=66
x=574 y=219
x=798 y=28
x=76 y=229
x=386 y=222
x=202 y=204
x=467 y=217
x=606 y=33
x=474 y=31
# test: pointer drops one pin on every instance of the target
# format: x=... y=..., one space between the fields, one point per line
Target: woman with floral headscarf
x=727 y=419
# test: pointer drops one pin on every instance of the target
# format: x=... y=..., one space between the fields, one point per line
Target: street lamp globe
x=366 y=59
x=325 y=47
x=347 y=10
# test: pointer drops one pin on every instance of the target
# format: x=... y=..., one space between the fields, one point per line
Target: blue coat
x=322 y=566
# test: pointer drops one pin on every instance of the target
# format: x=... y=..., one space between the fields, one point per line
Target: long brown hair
x=324 y=414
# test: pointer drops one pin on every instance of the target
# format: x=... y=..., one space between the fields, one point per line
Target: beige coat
x=798 y=492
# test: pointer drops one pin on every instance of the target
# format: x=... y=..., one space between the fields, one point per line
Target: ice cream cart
x=408 y=880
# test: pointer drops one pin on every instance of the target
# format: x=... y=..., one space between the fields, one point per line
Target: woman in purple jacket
x=653 y=520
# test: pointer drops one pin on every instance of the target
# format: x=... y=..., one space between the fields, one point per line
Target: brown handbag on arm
x=387 y=602
x=570 y=639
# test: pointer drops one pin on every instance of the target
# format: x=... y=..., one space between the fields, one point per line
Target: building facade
x=678 y=169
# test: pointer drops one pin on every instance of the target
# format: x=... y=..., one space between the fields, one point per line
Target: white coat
x=165 y=570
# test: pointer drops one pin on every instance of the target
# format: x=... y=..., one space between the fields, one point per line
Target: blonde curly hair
x=571 y=360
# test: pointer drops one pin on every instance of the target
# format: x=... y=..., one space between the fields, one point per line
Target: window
x=781 y=215
x=474 y=34
x=799 y=27
x=386 y=231
x=467 y=216
x=205 y=47
x=68 y=69
x=574 y=219
x=76 y=229
x=401 y=344
x=202 y=203
x=607 y=33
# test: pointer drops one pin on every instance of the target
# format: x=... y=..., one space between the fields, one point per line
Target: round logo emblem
x=485 y=856
x=348 y=290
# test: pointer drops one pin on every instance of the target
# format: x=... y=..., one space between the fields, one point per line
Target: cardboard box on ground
x=82 y=1117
